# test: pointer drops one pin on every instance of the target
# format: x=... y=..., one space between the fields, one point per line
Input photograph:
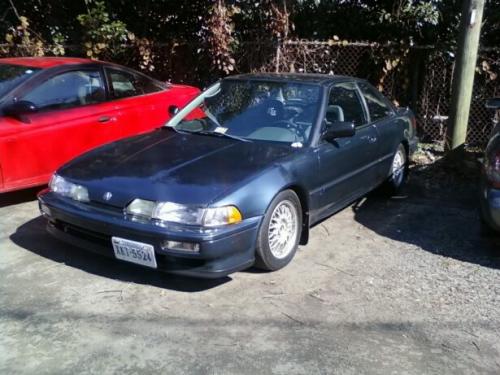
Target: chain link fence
x=418 y=77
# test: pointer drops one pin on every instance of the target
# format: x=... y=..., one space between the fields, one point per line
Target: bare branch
x=14 y=9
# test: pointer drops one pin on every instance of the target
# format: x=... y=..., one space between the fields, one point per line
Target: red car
x=53 y=109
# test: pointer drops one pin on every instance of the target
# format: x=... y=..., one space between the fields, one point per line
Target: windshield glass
x=13 y=75
x=253 y=110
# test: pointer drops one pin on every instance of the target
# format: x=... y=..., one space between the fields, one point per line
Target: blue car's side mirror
x=338 y=129
x=493 y=103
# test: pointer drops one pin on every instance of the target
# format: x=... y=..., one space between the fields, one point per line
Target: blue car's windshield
x=13 y=75
x=256 y=110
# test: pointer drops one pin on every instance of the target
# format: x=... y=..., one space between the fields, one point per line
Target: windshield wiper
x=212 y=117
x=177 y=130
x=206 y=132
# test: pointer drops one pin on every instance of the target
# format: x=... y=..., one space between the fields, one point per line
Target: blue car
x=236 y=178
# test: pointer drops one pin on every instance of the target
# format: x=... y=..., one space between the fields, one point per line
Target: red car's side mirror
x=20 y=110
x=172 y=110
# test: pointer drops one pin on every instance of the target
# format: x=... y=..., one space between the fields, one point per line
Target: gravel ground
x=403 y=286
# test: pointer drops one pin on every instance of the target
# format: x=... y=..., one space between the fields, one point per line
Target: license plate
x=135 y=252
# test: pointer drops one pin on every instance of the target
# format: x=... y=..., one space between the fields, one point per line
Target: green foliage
x=411 y=16
x=21 y=40
x=100 y=32
x=215 y=32
x=58 y=41
x=418 y=21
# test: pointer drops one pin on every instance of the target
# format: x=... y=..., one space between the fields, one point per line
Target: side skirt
x=328 y=211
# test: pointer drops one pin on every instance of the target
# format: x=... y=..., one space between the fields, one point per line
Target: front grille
x=103 y=207
x=86 y=234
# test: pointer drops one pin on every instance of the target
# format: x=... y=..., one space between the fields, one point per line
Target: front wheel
x=279 y=233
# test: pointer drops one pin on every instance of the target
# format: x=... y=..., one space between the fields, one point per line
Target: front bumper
x=222 y=251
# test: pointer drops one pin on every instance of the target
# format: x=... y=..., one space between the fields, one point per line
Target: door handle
x=104 y=119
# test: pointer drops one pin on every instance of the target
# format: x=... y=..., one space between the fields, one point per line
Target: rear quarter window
x=378 y=105
x=127 y=84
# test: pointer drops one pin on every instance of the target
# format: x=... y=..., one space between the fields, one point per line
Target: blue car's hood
x=166 y=166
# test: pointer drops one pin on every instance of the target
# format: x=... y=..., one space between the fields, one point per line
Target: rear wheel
x=398 y=172
x=279 y=233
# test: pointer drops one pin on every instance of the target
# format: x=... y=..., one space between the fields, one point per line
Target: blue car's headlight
x=65 y=188
x=141 y=208
x=177 y=213
x=217 y=216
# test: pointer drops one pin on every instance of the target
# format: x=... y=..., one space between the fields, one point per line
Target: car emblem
x=272 y=111
x=107 y=196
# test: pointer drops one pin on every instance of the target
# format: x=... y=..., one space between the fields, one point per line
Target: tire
x=485 y=229
x=274 y=251
x=398 y=172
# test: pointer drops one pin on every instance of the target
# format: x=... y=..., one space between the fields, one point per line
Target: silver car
x=490 y=176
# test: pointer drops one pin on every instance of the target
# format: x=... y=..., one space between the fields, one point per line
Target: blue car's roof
x=322 y=79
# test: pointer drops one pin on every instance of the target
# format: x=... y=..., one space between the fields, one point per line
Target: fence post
x=415 y=78
x=463 y=76
x=278 y=53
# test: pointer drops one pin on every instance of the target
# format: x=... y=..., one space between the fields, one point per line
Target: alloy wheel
x=398 y=166
x=283 y=229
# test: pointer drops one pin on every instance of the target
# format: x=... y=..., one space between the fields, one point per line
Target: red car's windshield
x=13 y=75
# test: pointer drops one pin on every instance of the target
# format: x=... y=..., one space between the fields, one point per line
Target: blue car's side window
x=376 y=103
x=344 y=104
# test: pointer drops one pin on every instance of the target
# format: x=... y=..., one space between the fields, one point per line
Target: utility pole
x=463 y=76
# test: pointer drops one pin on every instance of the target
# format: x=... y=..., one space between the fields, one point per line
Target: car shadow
x=20 y=196
x=437 y=211
x=33 y=237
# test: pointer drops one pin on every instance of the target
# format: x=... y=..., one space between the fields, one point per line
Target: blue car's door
x=382 y=117
x=346 y=165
